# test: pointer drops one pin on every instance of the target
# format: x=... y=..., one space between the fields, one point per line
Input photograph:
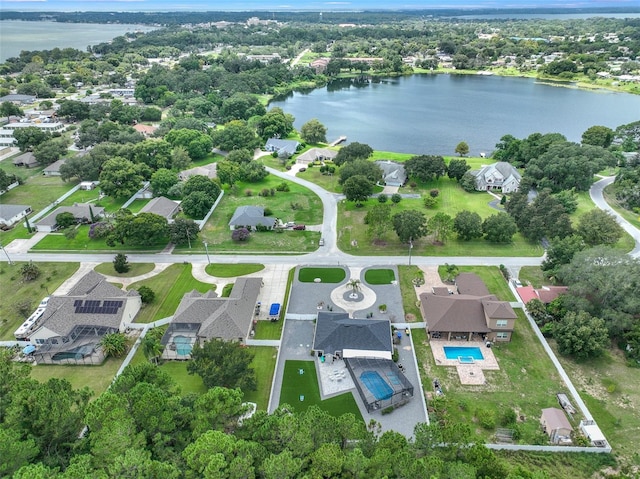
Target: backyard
x=19 y=295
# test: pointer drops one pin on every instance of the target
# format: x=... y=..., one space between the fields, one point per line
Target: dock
x=339 y=140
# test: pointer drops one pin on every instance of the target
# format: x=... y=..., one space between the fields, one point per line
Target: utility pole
x=206 y=247
x=410 y=248
x=5 y=252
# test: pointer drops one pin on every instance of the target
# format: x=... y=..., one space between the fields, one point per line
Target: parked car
x=302 y=169
x=321 y=242
x=299 y=227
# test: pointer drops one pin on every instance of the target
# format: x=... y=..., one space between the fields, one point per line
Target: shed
x=556 y=425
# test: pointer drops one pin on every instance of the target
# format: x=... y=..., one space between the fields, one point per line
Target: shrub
x=71 y=233
x=508 y=417
x=262 y=228
x=226 y=290
x=382 y=198
x=147 y=295
x=274 y=154
x=29 y=271
x=240 y=234
x=248 y=192
x=396 y=198
x=268 y=212
x=486 y=418
x=100 y=230
x=430 y=202
x=413 y=184
x=505 y=272
x=283 y=187
x=120 y=263
x=434 y=193
x=387 y=410
x=395 y=356
x=264 y=192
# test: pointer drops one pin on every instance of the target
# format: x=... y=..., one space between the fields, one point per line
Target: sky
x=293 y=5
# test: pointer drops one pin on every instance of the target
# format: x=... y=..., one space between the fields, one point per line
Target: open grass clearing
x=268 y=330
x=220 y=270
x=188 y=383
x=170 y=286
x=15 y=291
x=135 y=269
x=326 y=275
x=408 y=291
x=264 y=364
x=298 y=204
x=379 y=276
x=492 y=277
x=296 y=386
x=96 y=378
x=83 y=244
x=534 y=276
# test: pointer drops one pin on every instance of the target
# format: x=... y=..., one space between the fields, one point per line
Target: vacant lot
x=20 y=295
x=170 y=286
x=83 y=244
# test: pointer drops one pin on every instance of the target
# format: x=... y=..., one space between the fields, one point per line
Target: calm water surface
x=16 y=36
x=431 y=114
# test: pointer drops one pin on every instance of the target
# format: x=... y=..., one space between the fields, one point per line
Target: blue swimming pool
x=455 y=352
x=378 y=386
x=183 y=345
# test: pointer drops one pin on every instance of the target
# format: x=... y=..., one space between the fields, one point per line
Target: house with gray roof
x=393 y=174
x=474 y=314
x=162 y=206
x=500 y=176
x=28 y=160
x=82 y=212
x=210 y=171
x=316 y=154
x=250 y=217
x=205 y=316
x=73 y=324
x=54 y=168
x=11 y=214
x=338 y=334
x=18 y=99
x=283 y=147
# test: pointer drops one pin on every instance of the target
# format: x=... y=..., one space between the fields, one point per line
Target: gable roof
x=471 y=284
x=495 y=309
x=27 y=159
x=456 y=313
x=225 y=318
x=392 y=172
x=555 y=418
x=161 y=206
x=546 y=294
x=316 y=153
x=249 y=216
x=276 y=144
x=54 y=167
x=337 y=332
x=210 y=171
x=63 y=312
x=9 y=211
x=78 y=210
x=501 y=172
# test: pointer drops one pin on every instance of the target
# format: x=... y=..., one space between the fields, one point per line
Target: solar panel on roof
x=77 y=302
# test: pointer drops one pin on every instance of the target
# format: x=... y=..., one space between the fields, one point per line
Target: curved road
x=596 y=193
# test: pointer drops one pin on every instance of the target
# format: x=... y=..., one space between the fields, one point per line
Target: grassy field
x=136 y=269
x=630 y=216
x=295 y=385
x=83 y=244
x=264 y=364
x=169 y=286
x=492 y=277
x=14 y=291
x=534 y=276
x=408 y=292
x=96 y=378
x=268 y=330
x=299 y=205
x=379 y=276
x=232 y=270
x=327 y=275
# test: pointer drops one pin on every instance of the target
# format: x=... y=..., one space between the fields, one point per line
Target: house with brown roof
x=28 y=160
x=146 y=130
x=472 y=315
x=555 y=424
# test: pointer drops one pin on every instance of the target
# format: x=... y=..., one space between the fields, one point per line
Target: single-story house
x=320 y=64
x=146 y=130
x=18 y=99
x=393 y=174
x=54 y=168
x=88 y=185
x=500 y=176
x=316 y=154
x=556 y=425
x=283 y=147
x=469 y=315
x=250 y=217
x=73 y=324
x=204 y=316
x=161 y=206
x=82 y=212
x=11 y=214
x=546 y=294
x=26 y=159
x=366 y=346
x=210 y=171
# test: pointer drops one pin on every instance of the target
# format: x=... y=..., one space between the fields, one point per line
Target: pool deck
x=172 y=354
x=334 y=377
x=469 y=374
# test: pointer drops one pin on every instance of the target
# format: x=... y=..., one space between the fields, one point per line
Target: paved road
x=596 y=193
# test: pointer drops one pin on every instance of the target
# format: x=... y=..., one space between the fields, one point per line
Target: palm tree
x=151 y=347
x=451 y=270
x=354 y=284
x=113 y=344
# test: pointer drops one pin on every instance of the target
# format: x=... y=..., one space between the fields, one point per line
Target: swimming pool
x=378 y=386
x=183 y=345
x=75 y=353
x=455 y=352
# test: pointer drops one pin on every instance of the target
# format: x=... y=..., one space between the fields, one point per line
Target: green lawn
x=268 y=330
x=299 y=204
x=188 y=383
x=82 y=196
x=264 y=364
x=327 y=275
x=135 y=269
x=220 y=270
x=137 y=205
x=379 y=276
x=83 y=244
x=169 y=286
x=14 y=291
x=408 y=292
x=492 y=277
x=96 y=378
x=534 y=276
x=295 y=385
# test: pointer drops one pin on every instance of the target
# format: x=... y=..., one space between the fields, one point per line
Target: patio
x=469 y=374
x=334 y=377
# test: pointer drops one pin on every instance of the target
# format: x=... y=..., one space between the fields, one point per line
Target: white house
x=11 y=214
x=82 y=212
x=500 y=176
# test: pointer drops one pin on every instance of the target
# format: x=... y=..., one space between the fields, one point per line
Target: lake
x=16 y=36
x=431 y=114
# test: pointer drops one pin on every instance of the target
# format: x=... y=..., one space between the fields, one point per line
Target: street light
x=206 y=247
x=410 y=248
